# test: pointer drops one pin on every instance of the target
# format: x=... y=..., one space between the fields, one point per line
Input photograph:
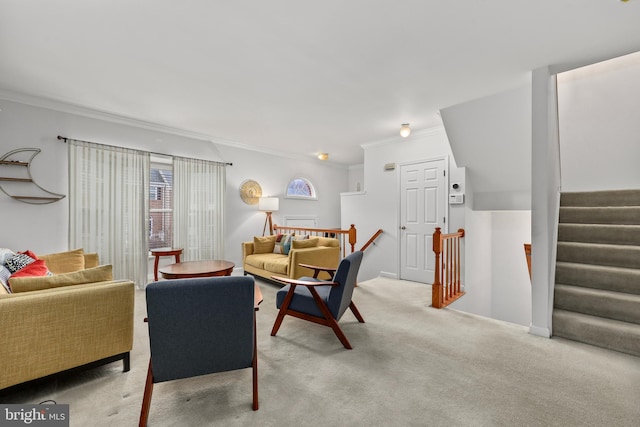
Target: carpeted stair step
x=611 y=334
x=600 y=215
x=615 y=279
x=601 y=198
x=599 y=254
x=600 y=233
x=596 y=302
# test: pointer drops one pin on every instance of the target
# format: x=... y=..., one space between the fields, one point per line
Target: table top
x=205 y=268
x=166 y=251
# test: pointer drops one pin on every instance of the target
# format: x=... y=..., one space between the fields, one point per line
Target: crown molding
x=71 y=108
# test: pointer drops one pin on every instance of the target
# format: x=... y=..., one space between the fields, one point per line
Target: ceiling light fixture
x=405 y=130
x=323 y=156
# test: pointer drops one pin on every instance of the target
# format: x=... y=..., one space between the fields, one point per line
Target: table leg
x=155 y=268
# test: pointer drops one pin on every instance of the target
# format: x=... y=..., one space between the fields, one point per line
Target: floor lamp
x=268 y=205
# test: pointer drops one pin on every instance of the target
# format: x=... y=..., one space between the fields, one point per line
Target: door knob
x=403 y=228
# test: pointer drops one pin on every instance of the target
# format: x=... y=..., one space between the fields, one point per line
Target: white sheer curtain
x=198 y=208
x=108 y=207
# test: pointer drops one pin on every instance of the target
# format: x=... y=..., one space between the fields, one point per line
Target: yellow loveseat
x=259 y=259
x=75 y=317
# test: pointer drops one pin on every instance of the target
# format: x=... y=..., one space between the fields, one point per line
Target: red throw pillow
x=29 y=254
x=36 y=268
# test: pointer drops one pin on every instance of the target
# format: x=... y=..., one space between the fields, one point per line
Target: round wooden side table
x=176 y=252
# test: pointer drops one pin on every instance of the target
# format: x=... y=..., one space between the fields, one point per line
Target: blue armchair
x=321 y=302
x=200 y=326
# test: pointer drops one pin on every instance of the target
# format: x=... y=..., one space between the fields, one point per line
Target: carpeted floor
x=411 y=366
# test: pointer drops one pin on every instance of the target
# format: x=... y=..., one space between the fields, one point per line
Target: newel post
x=436 y=287
x=352 y=237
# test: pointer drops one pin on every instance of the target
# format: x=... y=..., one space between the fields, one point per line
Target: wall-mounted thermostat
x=456 y=199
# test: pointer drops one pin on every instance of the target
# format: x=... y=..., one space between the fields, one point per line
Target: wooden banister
x=447 y=286
x=527 y=254
x=345 y=236
x=370 y=241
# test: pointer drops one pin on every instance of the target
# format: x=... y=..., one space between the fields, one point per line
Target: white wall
x=44 y=228
x=356 y=178
x=491 y=137
x=273 y=173
x=599 y=127
x=378 y=206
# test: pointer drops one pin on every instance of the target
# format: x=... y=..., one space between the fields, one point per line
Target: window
x=160 y=204
x=301 y=188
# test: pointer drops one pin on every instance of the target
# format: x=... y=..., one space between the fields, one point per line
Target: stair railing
x=370 y=241
x=446 y=287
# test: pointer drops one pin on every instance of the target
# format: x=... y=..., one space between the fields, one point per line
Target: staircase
x=597 y=290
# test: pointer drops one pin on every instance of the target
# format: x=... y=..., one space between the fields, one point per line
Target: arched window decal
x=301 y=188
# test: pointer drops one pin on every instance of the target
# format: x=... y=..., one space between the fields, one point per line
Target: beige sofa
x=73 y=318
x=259 y=259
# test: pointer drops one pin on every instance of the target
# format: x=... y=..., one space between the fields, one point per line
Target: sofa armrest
x=247 y=249
x=322 y=256
x=52 y=330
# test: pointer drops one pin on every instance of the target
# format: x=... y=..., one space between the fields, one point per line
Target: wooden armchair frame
x=328 y=319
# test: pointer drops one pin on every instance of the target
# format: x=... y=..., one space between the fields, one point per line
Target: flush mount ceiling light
x=405 y=130
x=323 y=156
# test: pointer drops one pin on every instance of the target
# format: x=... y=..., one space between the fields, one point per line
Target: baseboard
x=388 y=275
x=539 y=331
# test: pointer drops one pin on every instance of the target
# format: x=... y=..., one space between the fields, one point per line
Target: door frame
x=445 y=200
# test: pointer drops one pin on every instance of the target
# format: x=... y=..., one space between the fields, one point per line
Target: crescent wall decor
x=16 y=180
x=250 y=192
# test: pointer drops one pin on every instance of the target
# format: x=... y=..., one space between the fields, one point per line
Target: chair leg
x=330 y=320
x=254 y=364
x=355 y=312
x=283 y=311
x=146 y=400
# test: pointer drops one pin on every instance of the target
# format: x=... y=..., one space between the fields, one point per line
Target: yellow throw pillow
x=91 y=260
x=263 y=245
x=306 y=243
x=101 y=273
x=64 y=262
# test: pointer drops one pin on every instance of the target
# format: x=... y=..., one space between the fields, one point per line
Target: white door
x=422 y=209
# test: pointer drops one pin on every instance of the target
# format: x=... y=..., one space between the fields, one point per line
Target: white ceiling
x=292 y=75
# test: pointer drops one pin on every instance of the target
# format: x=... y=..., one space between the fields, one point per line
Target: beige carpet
x=411 y=366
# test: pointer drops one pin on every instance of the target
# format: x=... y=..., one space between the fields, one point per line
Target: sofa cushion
x=307 y=243
x=64 y=262
x=263 y=245
x=278 y=265
x=258 y=260
x=101 y=273
x=282 y=244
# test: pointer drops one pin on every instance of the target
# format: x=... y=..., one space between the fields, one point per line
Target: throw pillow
x=5 y=254
x=101 y=273
x=306 y=243
x=36 y=268
x=64 y=262
x=263 y=245
x=4 y=278
x=18 y=262
x=282 y=244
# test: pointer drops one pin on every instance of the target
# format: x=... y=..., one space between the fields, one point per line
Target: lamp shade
x=269 y=204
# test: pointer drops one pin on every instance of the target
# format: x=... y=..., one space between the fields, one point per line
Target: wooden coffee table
x=185 y=270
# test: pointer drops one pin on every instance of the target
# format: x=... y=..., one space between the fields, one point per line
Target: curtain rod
x=65 y=139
